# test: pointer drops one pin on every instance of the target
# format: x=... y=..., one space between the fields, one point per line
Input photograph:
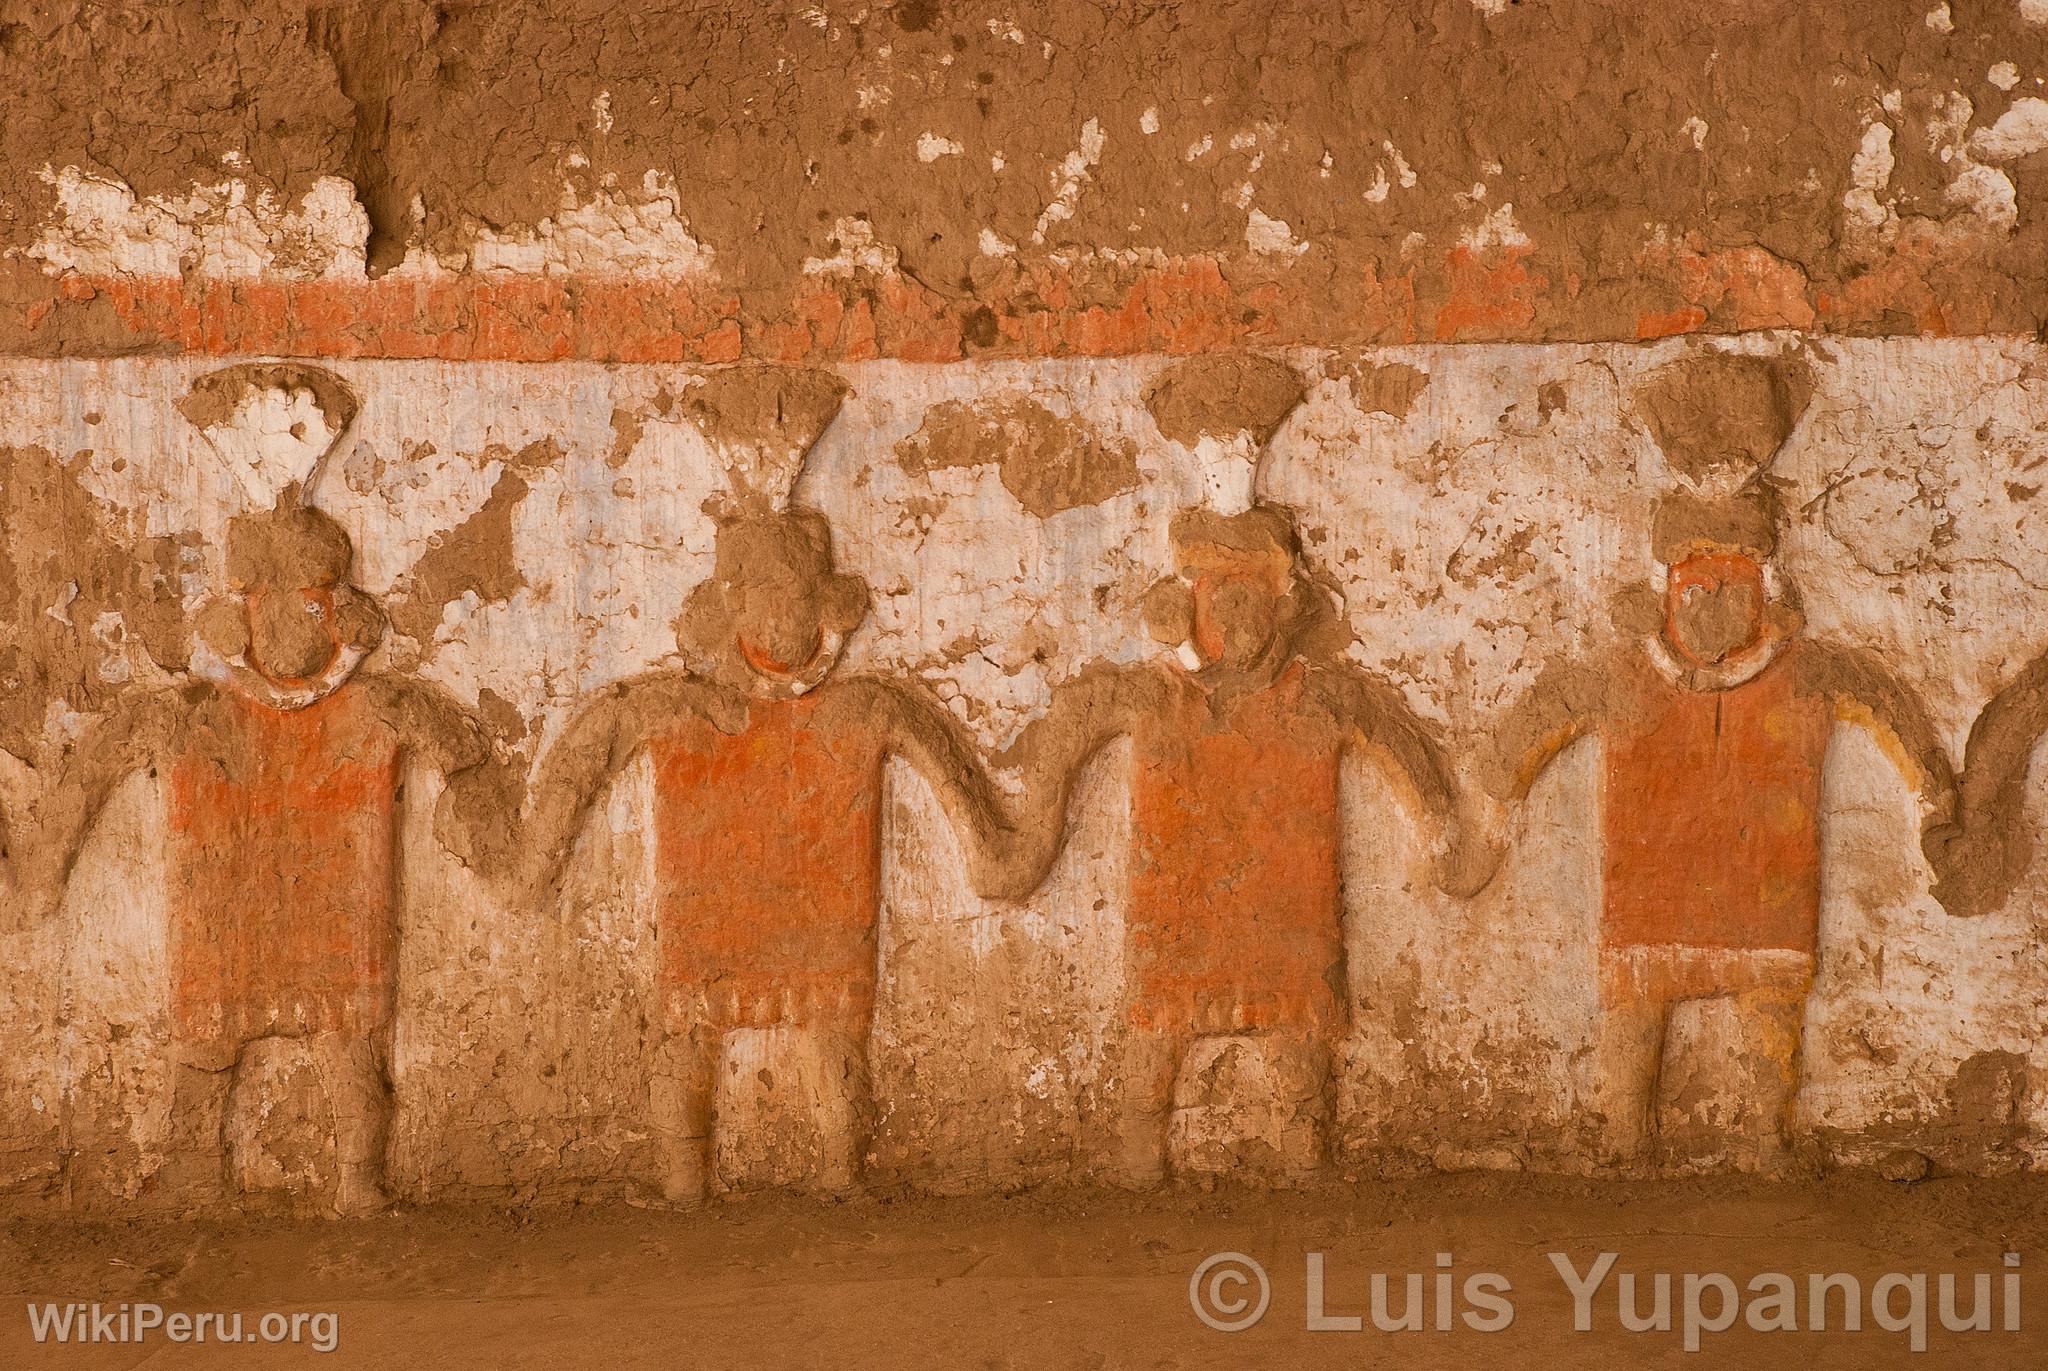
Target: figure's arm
x=432 y=724
x=135 y=734
x=600 y=741
x=1980 y=854
x=1864 y=691
x=1088 y=712
x=1376 y=714
x=1568 y=701
x=919 y=730
x=480 y=794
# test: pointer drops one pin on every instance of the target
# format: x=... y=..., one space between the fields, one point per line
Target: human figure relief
x=1234 y=922
x=768 y=774
x=280 y=767
x=1714 y=728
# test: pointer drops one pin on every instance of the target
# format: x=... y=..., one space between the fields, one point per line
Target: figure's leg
x=1627 y=1060
x=1300 y=1065
x=1771 y=1023
x=679 y=1107
x=358 y=1088
x=1145 y=1106
x=195 y=1166
x=844 y=1050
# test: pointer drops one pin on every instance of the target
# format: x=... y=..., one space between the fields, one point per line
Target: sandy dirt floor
x=1058 y=1280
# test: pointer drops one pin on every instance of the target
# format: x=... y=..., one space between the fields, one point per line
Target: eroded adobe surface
x=933 y=182
x=919 y=595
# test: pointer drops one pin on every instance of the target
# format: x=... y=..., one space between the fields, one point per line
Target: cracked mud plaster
x=78 y=578
x=1390 y=388
x=815 y=182
x=475 y=558
x=1049 y=463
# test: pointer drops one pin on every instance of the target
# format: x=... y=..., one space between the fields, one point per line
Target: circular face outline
x=320 y=602
x=1207 y=637
x=1714 y=571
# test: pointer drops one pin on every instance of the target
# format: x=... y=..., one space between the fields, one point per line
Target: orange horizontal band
x=1181 y=305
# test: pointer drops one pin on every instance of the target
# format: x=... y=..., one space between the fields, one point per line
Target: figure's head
x=1720 y=596
x=1714 y=606
x=774 y=616
x=1240 y=602
x=290 y=613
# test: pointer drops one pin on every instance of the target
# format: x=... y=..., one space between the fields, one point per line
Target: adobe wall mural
x=432 y=780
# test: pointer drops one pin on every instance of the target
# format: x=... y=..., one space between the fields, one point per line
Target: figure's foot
x=1304 y=1168
x=1778 y=1160
x=187 y=1185
x=686 y=1183
x=1623 y=1151
x=1140 y=1166
x=360 y=1197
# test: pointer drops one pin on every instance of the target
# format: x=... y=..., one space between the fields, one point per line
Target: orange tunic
x=1236 y=897
x=768 y=868
x=1709 y=815
x=282 y=872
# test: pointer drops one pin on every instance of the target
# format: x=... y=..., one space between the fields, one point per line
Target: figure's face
x=1227 y=609
x=779 y=624
x=1236 y=619
x=291 y=617
x=774 y=609
x=292 y=633
x=1714 y=606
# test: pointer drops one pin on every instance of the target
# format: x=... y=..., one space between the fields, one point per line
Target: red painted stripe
x=1187 y=305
